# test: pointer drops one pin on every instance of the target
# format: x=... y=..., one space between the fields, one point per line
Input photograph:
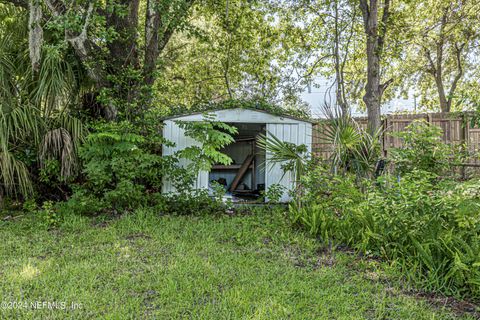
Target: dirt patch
x=301 y=259
x=459 y=307
x=325 y=260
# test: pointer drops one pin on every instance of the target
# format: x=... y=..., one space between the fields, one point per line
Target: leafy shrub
x=118 y=170
x=431 y=234
x=121 y=168
x=354 y=150
x=212 y=136
x=83 y=202
x=198 y=202
x=327 y=202
x=30 y=205
x=274 y=193
x=423 y=149
x=429 y=230
x=49 y=214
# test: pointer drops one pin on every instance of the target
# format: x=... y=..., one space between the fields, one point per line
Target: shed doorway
x=243 y=179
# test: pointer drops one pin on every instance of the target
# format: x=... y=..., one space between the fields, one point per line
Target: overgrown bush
x=118 y=170
x=327 y=202
x=423 y=149
x=123 y=170
x=429 y=230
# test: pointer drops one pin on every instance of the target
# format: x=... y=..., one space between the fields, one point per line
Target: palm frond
x=14 y=175
x=56 y=81
x=290 y=156
x=58 y=143
x=7 y=74
x=353 y=148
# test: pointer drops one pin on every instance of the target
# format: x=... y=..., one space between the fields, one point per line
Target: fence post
x=429 y=118
x=384 y=136
x=465 y=141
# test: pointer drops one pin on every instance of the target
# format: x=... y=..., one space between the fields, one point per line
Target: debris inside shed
x=244 y=178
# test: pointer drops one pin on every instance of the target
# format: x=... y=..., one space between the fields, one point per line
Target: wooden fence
x=456 y=129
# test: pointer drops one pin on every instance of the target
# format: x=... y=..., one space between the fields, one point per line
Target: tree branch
x=154 y=42
x=385 y=85
x=84 y=48
x=383 y=26
x=365 y=12
x=458 y=76
x=432 y=70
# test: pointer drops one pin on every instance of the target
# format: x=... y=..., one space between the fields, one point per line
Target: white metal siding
x=173 y=133
x=300 y=133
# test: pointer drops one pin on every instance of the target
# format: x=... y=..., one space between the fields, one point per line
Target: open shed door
x=298 y=133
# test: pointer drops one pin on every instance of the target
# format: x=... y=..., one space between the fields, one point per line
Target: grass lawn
x=144 y=265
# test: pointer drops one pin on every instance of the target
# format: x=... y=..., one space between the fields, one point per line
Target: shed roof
x=236 y=110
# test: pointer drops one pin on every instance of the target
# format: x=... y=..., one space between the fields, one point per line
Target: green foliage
x=212 y=136
x=218 y=191
x=427 y=230
x=355 y=150
x=327 y=201
x=118 y=168
x=423 y=149
x=83 y=202
x=290 y=156
x=30 y=205
x=197 y=202
x=274 y=193
x=49 y=215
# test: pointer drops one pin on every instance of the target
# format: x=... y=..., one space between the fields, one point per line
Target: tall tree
x=105 y=36
x=232 y=49
x=327 y=36
x=442 y=51
x=376 y=15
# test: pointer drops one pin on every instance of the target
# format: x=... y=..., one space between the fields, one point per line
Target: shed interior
x=244 y=178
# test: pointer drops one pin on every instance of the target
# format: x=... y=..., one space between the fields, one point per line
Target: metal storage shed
x=250 y=123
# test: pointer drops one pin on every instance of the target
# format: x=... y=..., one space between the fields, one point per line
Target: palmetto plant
x=353 y=148
x=291 y=157
x=35 y=124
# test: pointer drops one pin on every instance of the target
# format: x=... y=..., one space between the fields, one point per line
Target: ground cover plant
x=148 y=265
x=427 y=226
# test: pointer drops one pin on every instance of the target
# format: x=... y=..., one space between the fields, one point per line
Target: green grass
x=230 y=267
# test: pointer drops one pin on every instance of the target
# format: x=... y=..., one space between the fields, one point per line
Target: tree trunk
x=341 y=101
x=436 y=65
x=158 y=33
x=123 y=49
x=444 y=105
x=375 y=41
x=152 y=24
